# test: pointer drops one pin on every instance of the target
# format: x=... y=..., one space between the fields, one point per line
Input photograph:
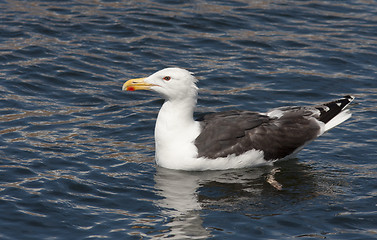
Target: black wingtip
x=331 y=109
x=350 y=98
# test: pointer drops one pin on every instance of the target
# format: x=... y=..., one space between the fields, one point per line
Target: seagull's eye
x=167 y=78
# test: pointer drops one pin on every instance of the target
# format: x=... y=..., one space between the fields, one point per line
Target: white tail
x=338 y=119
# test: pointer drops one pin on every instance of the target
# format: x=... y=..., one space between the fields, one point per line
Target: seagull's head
x=170 y=83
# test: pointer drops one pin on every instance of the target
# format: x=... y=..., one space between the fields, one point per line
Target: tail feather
x=338 y=119
x=334 y=113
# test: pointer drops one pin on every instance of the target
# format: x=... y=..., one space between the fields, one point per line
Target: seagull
x=231 y=139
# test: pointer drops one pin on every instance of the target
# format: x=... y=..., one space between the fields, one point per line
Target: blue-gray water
x=77 y=153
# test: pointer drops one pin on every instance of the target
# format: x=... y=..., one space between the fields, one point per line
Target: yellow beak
x=136 y=84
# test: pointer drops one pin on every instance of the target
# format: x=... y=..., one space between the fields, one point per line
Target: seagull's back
x=232 y=139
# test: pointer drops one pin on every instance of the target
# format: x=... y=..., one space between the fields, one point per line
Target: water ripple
x=77 y=154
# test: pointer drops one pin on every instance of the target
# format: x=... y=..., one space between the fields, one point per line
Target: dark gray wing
x=236 y=132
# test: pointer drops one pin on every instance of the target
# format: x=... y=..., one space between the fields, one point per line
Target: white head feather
x=174 y=84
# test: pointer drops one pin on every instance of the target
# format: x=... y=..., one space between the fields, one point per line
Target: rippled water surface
x=77 y=153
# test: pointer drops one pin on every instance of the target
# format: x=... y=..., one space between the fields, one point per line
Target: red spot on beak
x=130 y=89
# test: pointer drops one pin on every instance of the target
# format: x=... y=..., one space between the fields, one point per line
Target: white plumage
x=234 y=139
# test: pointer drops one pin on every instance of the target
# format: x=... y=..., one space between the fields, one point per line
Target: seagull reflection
x=186 y=194
x=180 y=202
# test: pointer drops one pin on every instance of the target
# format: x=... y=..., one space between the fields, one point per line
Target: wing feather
x=236 y=132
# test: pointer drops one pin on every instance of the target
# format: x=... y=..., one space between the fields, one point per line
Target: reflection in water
x=180 y=202
x=75 y=151
x=186 y=194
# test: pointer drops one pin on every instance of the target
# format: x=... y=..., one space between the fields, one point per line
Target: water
x=77 y=153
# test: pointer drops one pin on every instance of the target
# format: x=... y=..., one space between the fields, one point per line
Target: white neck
x=176 y=132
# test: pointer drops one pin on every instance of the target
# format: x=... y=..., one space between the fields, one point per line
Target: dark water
x=77 y=153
